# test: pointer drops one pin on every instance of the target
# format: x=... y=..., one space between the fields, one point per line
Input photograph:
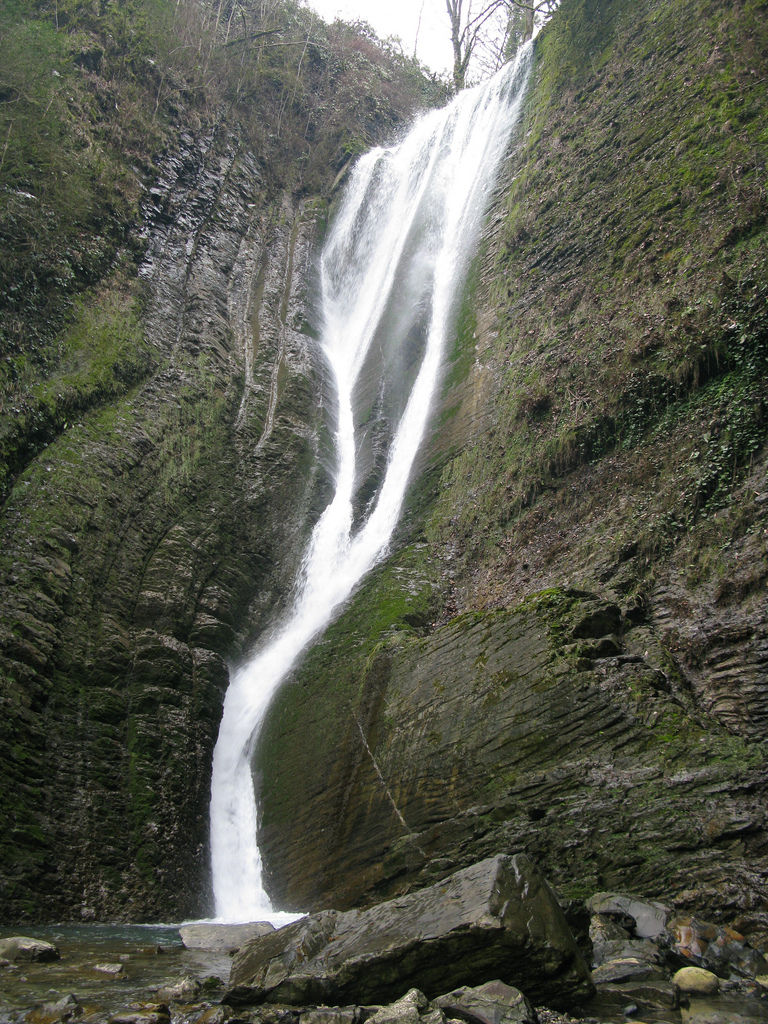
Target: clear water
x=135 y=946
x=25 y=986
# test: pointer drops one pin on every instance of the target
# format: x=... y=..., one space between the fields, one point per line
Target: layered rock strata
x=566 y=654
x=152 y=538
x=496 y=919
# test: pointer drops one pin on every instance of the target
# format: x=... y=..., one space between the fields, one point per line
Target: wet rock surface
x=590 y=763
x=622 y=746
x=629 y=969
x=22 y=949
x=492 y=1003
x=721 y=950
x=497 y=919
x=222 y=937
x=188 y=987
x=129 y=569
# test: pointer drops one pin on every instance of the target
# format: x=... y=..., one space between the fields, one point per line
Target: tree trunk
x=528 y=24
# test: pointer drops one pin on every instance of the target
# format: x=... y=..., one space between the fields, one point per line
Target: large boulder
x=22 y=949
x=498 y=919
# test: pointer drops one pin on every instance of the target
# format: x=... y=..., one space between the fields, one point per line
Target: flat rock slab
x=116 y=971
x=621 y=970
x=649 y=994
x=222 y=938
x=498 y=919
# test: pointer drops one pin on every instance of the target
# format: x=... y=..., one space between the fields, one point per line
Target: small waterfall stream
x=405 y=233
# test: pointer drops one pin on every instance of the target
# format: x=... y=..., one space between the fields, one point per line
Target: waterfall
x=404 y=236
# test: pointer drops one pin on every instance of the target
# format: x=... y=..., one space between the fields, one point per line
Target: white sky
x=400 y=18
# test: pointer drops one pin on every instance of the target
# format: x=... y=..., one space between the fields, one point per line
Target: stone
x=612 y=944
x=211 y=983
x=185 y=990
x=213 y=1015
x=140 y=1017
x=720 y=950
x=222 y=938
x=66 y=1008
x=649 y=916
x=22 y=949
x=621 y=970
x=413 y=1008
x=116 y=971
x=648 y=993
x=696 y=981
x=329 y=1015
x=143 y=1013
x=498 y=919
x=492 y=1003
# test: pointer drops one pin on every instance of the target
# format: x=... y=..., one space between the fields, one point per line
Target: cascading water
x=406 y=228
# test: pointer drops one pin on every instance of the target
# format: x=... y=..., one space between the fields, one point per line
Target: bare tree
x=489 y=26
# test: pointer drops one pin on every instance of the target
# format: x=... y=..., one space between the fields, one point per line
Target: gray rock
x=413 y=1008
x=647 y=993
x=649 y=916
x=492 y=1003
x=621 y=970
x=183 y=991
x=213 y=1015
x=222 y=938
x=140 y=1017
x=116 y=971
x=495 y=919
x=329 y=1015
x=66 y=1008
x=723 y=951
x=22 y=949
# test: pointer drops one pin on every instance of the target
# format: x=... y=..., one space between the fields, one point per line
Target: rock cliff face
x=164 y=528
x=566 y=654
x=177 y=423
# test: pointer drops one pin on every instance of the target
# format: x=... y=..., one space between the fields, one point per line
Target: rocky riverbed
x=487 y=945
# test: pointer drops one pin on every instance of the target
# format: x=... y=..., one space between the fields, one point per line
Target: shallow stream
x=151 y=956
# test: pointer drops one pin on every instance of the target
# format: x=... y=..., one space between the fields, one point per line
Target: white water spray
x=415 y=209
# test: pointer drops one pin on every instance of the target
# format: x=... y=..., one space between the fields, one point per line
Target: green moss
x=611 y=324
x=394 y=603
